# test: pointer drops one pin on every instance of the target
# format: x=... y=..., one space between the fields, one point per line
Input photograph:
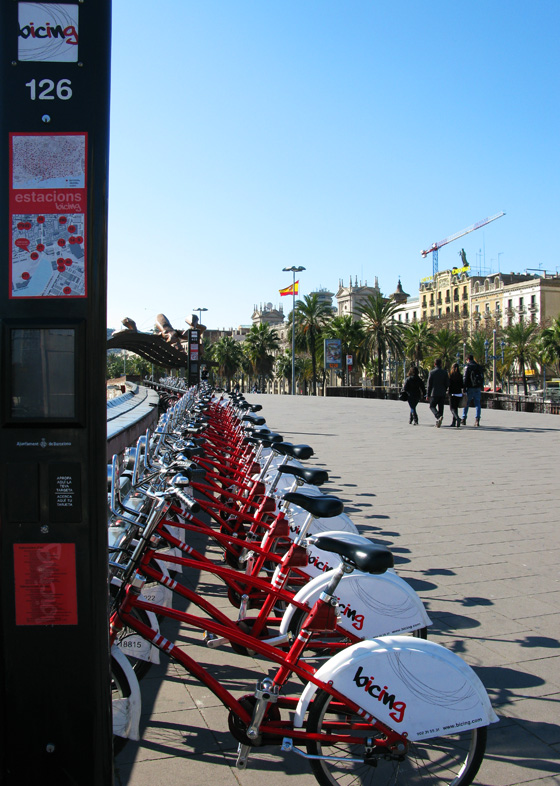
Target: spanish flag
x=291 y=290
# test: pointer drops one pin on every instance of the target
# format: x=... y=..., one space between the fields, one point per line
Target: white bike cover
x=414 y=686
x=370 y=606
x=126 y=711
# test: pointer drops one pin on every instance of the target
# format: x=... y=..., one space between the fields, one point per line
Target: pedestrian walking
x=455 y=394
x=473 y=382
x=438 y=382
x=415 y=389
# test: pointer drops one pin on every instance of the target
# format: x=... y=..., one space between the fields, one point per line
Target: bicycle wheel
x=120 y=692
x=442 y=761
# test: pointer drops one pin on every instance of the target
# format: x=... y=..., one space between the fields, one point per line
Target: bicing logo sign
x=48 y=32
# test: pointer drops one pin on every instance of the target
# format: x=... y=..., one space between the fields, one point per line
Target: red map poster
x=45 y=584
x=47 y=215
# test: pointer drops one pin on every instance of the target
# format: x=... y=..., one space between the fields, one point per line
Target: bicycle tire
x=442 y=761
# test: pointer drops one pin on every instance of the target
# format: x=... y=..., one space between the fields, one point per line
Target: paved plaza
x=472 y=518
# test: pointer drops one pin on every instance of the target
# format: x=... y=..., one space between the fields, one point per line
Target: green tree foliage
x=261 y=342
x=522 y=347
x=445 y=344
x=228 y=354
x=381 y=330
x=121 y=363
x=351 y=336
x=311 y=317
x=417 y=341
x=550 y=344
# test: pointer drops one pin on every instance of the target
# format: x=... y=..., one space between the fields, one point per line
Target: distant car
x=488 y=389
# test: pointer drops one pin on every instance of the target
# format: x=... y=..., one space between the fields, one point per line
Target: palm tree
x=522 y=347
x=417 y=341
x=260 y=343
x=445 y=345
x=227 y=353
x=382 y=331
x=351 y=336
x=477 y=346
x=283 y=366
x=311 y=317
x=550 y=343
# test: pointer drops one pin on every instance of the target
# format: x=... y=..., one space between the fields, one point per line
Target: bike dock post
x=55 y=698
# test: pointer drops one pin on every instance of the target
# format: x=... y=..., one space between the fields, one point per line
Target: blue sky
x=341 y=135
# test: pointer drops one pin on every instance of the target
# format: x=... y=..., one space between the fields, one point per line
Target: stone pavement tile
x=503 y=588
x=538 y=715
x=524 y=647
x=506 y=684
x=515 y=756
x=176 y=770
x=172 y=695
x=178 y=733
x=547 y=669
x=539 y=607
x=486 y=625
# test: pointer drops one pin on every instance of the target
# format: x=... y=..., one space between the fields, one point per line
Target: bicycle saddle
x=302 y=452
x=256 y=420
x=359 y=551
x=323 y=507
x=316 y=477
x=268 y=441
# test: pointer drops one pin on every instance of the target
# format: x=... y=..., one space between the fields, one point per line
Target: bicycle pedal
x=212 y=641
x=243 y=752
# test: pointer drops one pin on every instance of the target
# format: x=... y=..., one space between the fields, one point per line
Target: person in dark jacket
x=438 y=382
x=415 y=389
x=455 y=393
x=473 y=382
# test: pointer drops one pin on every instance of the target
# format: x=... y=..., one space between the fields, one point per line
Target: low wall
x=489 y=400
x=128 y=417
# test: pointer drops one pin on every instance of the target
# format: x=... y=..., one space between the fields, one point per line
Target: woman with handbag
x=415 y=389
x=455 y=393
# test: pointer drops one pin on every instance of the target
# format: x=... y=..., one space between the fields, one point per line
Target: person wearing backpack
x=473 y=382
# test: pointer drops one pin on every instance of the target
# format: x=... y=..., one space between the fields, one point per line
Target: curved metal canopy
x=150 y=347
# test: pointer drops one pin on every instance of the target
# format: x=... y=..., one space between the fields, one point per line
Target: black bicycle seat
x=323 y=507
x=302 y=452
x=316 y=477
x=355 y=549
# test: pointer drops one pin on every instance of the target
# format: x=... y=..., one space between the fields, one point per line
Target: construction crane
x=436 y=246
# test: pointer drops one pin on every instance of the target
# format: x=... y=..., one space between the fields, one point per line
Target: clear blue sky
x=341 y=135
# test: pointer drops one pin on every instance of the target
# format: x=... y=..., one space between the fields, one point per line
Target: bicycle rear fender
x=370 y=606
x=126 y=712
x=415 y=687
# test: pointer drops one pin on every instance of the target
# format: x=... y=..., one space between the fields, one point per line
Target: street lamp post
x=200 y=310
x=493 y=357
x=293 y=270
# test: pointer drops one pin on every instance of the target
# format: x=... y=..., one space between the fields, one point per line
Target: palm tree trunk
x=314 y=370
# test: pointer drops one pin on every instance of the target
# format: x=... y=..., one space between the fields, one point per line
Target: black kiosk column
x=55 y=707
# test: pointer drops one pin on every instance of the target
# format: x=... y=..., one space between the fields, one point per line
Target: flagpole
x=293 y=270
